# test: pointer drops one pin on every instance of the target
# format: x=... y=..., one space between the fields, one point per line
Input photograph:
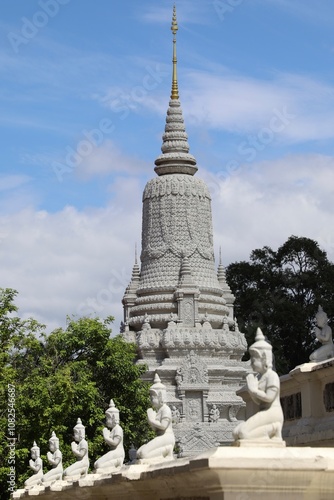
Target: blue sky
x=84 y=92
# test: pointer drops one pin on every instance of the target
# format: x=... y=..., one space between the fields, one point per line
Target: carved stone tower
x=177 y=307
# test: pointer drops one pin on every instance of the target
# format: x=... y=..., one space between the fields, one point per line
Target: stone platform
x=307 y=397
x=224 y=473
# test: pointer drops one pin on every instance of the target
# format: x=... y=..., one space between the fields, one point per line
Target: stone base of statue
x=49 y=483
x=18 y=493
x=263 y=443
x=60 y=485
x=75 y=477
x=107 y=471
x=35 y=490
x=153 y=460
x=100 y=475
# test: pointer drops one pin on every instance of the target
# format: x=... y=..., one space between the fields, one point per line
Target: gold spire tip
x=174 y=28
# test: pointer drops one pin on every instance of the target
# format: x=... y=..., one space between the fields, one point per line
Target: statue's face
x=111 y=421
x=52 y=446
x=34 y=454
x=78 y=435
x=257 y=364
x=321 y=319
x=155 y=400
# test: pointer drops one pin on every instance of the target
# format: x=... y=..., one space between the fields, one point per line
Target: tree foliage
x=59 y=377
x=280 y=291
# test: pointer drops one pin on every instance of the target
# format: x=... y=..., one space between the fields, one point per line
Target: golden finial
x=174 y=28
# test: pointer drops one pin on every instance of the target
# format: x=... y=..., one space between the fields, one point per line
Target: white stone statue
x=323 y=332
x=80 y=450
x=35 y=464
x=113 y=436
x=160 y=419
x=264 y=389
x=55 y=459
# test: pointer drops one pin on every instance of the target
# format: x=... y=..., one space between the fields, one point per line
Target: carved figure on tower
x=214 y=414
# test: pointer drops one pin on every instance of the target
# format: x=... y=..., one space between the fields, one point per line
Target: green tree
x=280 y=291
x=70 y=373
x=15 y=336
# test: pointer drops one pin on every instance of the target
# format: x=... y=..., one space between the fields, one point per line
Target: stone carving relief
x=176 y=414
x=193 y=371
x=188 y=311
x=177 y=217
x=179 y=377
x=130 y=336
x=233 y=412
x=194 y=409
x=197 y=439
x=148 y=338
x=214 y=414
x=176 y=336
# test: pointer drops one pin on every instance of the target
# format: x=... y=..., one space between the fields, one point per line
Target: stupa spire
x=221 y=275
x=175 y=158
x=130 y=294
x=174 y=28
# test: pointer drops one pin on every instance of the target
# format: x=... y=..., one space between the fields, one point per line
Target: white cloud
x=223 y=101
x=108 y=158
x=70 y=262
x=273 y=200
x=17 y=192
x=243 y=104
x=8 y=182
